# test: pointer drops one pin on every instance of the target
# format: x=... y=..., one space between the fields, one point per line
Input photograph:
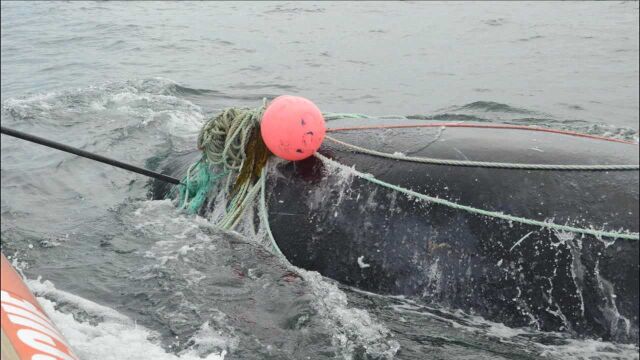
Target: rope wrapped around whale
x=487 y=164
x=232 y=145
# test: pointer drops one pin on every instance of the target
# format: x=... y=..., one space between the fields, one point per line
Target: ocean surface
x=126 y=277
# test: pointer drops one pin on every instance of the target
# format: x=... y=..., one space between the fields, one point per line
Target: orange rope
x=484 y=126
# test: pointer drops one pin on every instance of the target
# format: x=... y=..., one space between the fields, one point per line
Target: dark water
x=136 y=81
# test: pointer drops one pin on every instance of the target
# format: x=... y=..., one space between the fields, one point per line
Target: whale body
x=376 y=239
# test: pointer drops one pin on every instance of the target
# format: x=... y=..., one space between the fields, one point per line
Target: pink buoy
x=292 y=127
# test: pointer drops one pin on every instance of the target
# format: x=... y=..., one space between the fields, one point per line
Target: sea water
x=126 y=277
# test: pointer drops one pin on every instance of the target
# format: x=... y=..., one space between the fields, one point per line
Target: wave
x=99 y=332
x=494 y=112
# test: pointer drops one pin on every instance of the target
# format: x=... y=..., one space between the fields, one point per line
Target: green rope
x=486 y=164
x=493 y=214
x=238 y=205
x=223 y=140
x=186 y=190
x=197 y=184
x=230 y=142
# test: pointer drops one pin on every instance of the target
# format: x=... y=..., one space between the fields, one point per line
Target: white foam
x=352 y=328
x=563 y=348
x=142 y=102
x=337 y=178
x=117 y=337
x=361 y=263
x=590 y=349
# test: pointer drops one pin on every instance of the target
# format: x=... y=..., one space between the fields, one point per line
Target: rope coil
x=223 y=140
x=232 y=145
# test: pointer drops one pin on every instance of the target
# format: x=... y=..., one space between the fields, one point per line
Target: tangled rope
x=233 y=148
x=223 y=140
x=231 y=145
x=203 y=182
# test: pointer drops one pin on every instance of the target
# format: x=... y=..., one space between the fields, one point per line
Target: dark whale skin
x=550 y=280
x=507 y=272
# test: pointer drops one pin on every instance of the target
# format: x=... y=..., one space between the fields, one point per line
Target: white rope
x=493 y=214
x=487 y=164
x=262 y=211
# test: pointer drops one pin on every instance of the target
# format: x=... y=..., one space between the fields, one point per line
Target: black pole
x=88 y=155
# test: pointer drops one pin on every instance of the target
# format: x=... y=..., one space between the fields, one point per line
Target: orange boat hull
x=27 y=332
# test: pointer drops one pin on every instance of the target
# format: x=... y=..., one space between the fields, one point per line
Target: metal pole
x=88 y=155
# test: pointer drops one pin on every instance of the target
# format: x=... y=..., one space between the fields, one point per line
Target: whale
x=374 y=238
